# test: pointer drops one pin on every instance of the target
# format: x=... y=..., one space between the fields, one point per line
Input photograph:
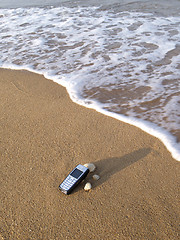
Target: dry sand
x=44 y=135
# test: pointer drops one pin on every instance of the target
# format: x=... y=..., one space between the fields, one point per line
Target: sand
x=44 y=135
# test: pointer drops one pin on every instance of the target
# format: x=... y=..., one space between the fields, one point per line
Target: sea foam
x=123 y=64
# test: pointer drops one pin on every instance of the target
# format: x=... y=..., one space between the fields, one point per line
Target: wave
x=123 y=64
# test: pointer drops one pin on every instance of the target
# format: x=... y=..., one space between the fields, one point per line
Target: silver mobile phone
x=73 y=179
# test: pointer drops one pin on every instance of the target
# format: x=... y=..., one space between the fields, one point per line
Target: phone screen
x=76 y=173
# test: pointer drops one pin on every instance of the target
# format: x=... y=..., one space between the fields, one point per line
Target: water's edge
x=164 y=136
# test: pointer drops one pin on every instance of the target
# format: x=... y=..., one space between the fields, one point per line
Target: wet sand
x=44 y=135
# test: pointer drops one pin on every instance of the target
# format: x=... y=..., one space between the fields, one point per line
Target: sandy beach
x=44 y=135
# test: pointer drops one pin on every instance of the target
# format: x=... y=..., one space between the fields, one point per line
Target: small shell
x=96 y=177
x=90 y=166
x=88 y=186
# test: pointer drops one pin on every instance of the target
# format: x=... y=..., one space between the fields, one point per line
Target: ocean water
x=122 y=59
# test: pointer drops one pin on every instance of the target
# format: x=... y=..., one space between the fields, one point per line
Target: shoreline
x=44 y=135
x=169 y=141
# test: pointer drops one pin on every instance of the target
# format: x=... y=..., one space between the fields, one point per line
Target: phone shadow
x=105 y=168
x=108 y=167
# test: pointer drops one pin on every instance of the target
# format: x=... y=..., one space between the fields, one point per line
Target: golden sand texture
x=44 y=135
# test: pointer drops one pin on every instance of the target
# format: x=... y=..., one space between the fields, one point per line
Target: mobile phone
x=73 y=179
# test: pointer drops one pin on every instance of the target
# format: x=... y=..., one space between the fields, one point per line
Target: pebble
x=87 y=186
x=90 y=166
x=96 y=177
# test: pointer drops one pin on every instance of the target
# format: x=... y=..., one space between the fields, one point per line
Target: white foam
x=93 y=49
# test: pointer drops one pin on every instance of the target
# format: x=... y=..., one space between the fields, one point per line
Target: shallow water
x=121 y=58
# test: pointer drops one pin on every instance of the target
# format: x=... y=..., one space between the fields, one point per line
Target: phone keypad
x=68 y=183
